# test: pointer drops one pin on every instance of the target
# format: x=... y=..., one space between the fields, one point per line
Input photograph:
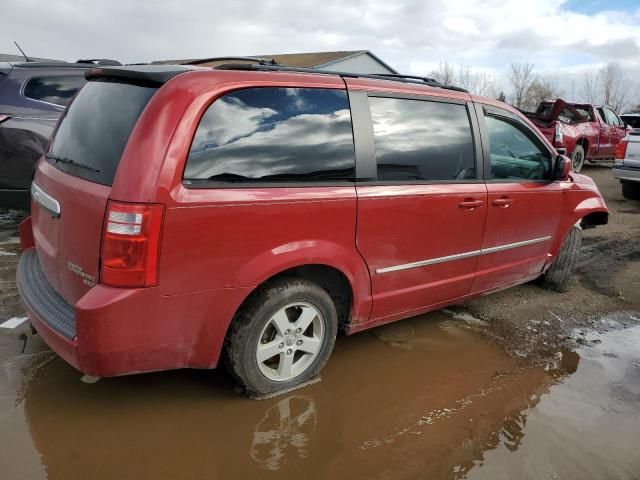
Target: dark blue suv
x=33 y=95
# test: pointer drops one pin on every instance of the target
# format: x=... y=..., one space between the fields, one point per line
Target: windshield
x=95 y=129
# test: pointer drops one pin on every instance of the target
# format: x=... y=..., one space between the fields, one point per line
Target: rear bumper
x=626 y=174
x=114 y=331
x=50 y=315
x=19 y=199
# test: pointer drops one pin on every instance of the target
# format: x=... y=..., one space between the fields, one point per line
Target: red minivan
x=251 y=212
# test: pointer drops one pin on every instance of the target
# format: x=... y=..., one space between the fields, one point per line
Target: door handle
x=470 y=203
x=502 y=202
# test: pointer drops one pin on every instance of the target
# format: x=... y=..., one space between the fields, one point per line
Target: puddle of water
x=588 y=425
x=427 y=397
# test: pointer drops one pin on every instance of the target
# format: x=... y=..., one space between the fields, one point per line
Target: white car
x=627 y=165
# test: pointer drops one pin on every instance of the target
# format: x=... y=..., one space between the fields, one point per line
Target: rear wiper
x=68 y=161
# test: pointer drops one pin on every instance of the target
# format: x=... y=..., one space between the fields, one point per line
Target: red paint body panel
x=403 y=224
x=526 y=211
x=218 y=245
x=252 y=234
x=74 y=237
x=123 y=331
x=26 y=234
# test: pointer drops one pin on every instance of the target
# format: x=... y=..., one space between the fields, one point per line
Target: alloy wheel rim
x=290 y=341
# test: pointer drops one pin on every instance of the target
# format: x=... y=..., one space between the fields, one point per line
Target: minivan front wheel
x=282 y=337
x=559 y=274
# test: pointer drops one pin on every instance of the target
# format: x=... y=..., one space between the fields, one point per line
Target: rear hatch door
x=73 y=182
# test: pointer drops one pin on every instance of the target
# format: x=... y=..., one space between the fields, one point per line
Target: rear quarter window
x=56 y=90
x=271 y=135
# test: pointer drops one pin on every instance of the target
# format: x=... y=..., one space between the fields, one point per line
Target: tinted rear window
x=632 y=121
x=56 y=90
x=274 y=135
x=96 y=128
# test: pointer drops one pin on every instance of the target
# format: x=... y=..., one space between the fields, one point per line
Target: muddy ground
x=524 y=383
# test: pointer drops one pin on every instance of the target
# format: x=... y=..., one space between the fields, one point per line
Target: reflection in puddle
x=283 y=434
x=428 y=398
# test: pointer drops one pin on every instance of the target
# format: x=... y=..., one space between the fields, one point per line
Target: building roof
x=304 y=60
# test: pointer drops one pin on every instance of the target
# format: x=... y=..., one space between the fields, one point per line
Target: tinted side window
x=274 y=134
x=422 y=140
x=514 y=155
x=57 y=90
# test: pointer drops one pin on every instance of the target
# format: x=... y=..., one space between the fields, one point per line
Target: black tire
x=631 y=190
x=249 y=323
x=558 y=276
x=577 y=158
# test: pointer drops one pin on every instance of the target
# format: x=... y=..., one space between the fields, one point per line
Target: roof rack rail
x=259 y=61
x=413 y=77
x=374 y=76
x=100 y=61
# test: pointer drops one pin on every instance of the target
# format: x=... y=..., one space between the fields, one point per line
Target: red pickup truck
x=583 y=131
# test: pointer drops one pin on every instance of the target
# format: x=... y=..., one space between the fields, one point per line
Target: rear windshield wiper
x=68 y=161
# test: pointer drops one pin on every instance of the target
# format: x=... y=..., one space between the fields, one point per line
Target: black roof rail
x=260 y=61
x=100 y=61
x=374 y=76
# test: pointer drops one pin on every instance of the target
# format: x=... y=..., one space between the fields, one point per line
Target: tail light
x=621 y=149
x=559 y=137
x=4 y=117
x=131 y=244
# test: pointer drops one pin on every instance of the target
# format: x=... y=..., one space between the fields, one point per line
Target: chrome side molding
x=432 y=261
x=45 y=200
x=460 y=256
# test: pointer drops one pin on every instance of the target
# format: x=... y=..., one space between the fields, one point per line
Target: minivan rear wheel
x=282 y=337
x=559 y=274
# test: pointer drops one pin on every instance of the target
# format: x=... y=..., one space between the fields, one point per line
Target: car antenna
x=22 y=52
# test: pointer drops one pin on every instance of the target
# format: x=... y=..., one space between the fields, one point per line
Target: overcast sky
x=563 y=37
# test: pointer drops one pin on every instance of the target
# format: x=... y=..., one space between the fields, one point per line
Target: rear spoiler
x=150 y=74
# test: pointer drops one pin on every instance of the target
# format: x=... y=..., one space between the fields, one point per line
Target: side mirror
x=562 y=167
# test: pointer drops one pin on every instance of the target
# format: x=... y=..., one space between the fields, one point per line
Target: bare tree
x=542 y=89
x=445 y=73
x=615 y=86
x=609 y=86
x=590 y=87
x=521 y=77
x=478 y=83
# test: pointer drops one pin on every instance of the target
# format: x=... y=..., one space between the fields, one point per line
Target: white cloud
x=462 y=25
x=411 y=35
